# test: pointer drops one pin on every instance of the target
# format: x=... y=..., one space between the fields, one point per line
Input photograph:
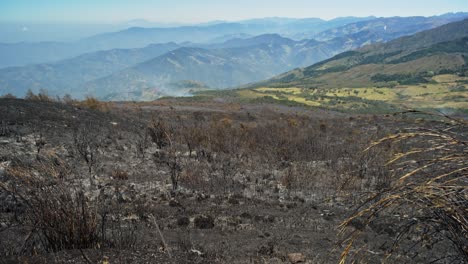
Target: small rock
x=195 y=251
x=125 y=198
x=327 y=215
x=296 y=257
x=201 y=197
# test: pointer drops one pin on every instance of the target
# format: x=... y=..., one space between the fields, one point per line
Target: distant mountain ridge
x=20 y=54
x=388 y=28
x=216 y=68
x=69 y=75
x=409 y=59
x=249 y=60
x=164 y=69
x=24 y=53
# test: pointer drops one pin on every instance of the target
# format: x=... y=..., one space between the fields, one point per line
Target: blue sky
x=207 y=10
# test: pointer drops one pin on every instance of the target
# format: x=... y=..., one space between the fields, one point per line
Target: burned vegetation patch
x=203 y=182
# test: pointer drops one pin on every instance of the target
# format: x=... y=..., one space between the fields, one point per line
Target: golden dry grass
x=439 y=95
x=431 y=178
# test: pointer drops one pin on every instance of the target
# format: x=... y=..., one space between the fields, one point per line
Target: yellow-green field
x=446 y=91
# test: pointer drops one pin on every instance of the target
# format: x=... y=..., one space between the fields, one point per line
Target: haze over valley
x=141 y=63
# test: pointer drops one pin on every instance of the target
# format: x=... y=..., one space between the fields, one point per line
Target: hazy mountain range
x=407 y=60
x=18 y=54
x=70 y=75
x=128 y=64
x=217 y=68
x=23 y=53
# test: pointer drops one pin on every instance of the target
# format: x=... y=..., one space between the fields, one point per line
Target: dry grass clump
x=57 y=215
x=8 y=96
x=93 y=103
x=42 y=96
x=429 y=184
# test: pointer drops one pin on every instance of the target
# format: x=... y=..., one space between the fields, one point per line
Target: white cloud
x=24 y=29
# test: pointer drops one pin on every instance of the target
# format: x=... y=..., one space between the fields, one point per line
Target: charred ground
x=199 y=182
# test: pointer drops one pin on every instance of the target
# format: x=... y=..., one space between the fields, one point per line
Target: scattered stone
x=328 y=215
x=195 y=251
x=124 y=197
x=296 y=257
x=201 y=196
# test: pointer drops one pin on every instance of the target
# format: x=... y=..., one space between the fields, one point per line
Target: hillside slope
x=408 y=60
x=425 y=71
x=73 y=75
x=217 y=68
x=68 y=76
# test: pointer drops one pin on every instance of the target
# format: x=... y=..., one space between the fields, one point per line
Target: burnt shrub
x=204 y=222
x=56 y=215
